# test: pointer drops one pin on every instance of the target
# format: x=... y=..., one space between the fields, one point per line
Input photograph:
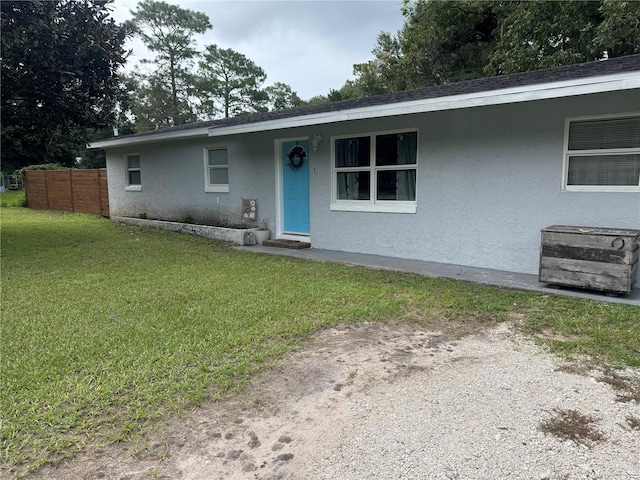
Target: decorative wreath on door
x=296 y=157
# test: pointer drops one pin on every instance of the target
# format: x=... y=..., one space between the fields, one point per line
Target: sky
x=311 y=45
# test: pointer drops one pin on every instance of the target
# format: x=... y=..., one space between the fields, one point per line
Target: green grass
x=13 y=198
x=106 y=328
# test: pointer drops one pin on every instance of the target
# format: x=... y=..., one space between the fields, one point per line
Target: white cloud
x=310 y=45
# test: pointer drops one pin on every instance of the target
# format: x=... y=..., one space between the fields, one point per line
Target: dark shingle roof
x=571 y=72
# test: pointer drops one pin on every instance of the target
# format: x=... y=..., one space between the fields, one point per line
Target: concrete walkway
x=485 y=276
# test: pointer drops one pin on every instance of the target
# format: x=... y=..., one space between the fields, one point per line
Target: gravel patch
x=478 y=415
x=393 y=402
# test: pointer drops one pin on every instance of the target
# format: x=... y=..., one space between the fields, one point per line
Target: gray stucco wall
x=489 y=178
x=173 y=181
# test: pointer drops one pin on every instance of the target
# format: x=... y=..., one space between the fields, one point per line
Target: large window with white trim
x=216 y=170
x=375 y=172
x=603 y=154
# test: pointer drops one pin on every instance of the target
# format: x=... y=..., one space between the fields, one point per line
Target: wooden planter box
x=604 y=259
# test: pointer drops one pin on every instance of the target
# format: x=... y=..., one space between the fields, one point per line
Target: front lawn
x=107 y=328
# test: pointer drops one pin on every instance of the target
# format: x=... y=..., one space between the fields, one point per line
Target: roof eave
x=126 y=141
x=525 y=93
x=567 y=88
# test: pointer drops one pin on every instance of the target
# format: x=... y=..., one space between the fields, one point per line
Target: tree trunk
x=174 y=93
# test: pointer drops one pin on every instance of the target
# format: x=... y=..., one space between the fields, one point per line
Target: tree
x=619 y=32
x=281 y=97
x=96 y=158
x=59 y=63
x=123 y=125
x=381 y=75
x=152 y=103
x=349 y=90
x=443 y=42
x=316 y=100
x=230 y=84
x=170 y=32
x=545 y=34
x=440 y=42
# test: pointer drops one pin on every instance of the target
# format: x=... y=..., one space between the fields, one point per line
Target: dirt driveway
x=392 y=402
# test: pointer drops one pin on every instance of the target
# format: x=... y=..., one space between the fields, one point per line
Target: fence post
x=46 y=188
x=104 y=192
x=98 y=172
x=73 y=203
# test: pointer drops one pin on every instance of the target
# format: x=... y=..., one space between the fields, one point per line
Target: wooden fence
x=76 y=191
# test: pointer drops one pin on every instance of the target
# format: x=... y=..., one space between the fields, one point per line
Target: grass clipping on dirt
x=572 y=425
x=107 y=328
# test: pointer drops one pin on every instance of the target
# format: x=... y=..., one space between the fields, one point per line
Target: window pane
x=133 y=161
x=353 y=186
x=396 y=149
x=218 y=157
x=353 y=152
x=219 y=176
x=397 y=185
x=605 y=133
x=604 y=170
x=134 y=177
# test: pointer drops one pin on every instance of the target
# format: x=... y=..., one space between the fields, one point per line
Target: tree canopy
x=443 y=42
x=169 y=31
x=282 y=97
x=225 y=82
x=230 y=83
x=546 y=34
x=59 y=80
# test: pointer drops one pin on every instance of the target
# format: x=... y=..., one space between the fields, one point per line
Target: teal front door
x=295 y=187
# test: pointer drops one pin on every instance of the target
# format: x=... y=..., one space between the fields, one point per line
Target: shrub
x=13 y=199
x=43 y=166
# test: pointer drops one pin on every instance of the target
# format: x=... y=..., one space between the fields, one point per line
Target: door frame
x=279 y=233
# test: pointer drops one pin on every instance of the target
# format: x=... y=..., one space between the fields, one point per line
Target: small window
x=134 y=178
x=603 y=154
x=376 y=172
x=216 y=170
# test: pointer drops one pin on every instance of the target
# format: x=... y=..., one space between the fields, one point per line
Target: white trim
x=372 y=205
x=632 y=113
x=290 y=236
x=526 y=93
x=543 y=91
x=135 y=187
x=602 y=188
x=566 y=153
x=217 y=189
x=277 y=149
x=214 y=187
x=401 y=207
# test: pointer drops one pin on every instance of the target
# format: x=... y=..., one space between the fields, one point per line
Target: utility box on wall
x=249 y=210
x=604 y=259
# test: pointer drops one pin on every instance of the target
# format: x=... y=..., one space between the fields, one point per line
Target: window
x=134 y=179
x=375 y=172
x=603 y=154
x=216 y=165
